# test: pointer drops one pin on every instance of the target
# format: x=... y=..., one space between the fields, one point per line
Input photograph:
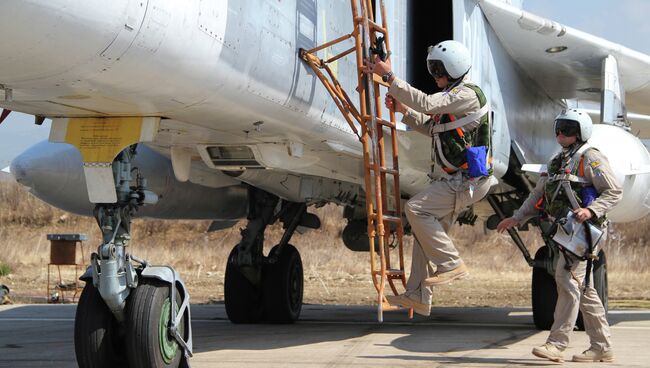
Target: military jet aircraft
x=203 y=109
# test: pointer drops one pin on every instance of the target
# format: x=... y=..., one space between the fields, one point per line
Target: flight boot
x=549 y=351
x=592 y=355
x=440 y=278
x=406 y=302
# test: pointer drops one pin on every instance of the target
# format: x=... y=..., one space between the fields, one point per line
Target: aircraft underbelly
x=223 y=65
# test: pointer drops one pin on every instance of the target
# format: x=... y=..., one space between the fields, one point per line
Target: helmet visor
x=568 y=128
x=436 y=68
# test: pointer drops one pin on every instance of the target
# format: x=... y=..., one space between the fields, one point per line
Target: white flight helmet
x=453 y=56
x=585 y=125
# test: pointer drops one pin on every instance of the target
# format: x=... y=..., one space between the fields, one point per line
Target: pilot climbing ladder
x=385 y=230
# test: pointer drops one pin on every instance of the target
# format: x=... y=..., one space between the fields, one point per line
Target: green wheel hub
x=168 y=346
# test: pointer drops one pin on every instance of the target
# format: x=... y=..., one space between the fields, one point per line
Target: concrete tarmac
x=336 y=336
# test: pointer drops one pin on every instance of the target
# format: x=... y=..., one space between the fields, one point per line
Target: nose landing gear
x=130 y=314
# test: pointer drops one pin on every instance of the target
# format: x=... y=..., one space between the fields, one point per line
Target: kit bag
x=572 y=236
x=477 y=161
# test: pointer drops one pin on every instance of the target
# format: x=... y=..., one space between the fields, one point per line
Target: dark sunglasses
x=568 y=128
x=436 y=68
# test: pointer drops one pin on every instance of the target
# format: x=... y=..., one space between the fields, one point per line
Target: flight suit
x=571 y=294
x=432 y=211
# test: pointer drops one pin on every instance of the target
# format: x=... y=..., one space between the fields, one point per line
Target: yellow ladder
x=385 y=230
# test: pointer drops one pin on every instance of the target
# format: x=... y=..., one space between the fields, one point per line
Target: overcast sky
x=621 y=21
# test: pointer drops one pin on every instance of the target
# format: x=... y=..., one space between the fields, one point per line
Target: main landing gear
x=269 y=288
x=544 y=291
x=130 y=314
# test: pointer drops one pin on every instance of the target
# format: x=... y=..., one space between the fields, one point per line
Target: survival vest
x=450 y=139
x=566 y=167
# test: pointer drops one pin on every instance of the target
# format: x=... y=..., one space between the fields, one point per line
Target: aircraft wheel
x=600 y=284
x=283 y=286
x=544 y=293
x=98 y=342
x=148 y=313
x=243 y=299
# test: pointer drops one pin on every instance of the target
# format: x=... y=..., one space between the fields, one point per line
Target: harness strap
x=439 y=128
x=445 y=162
x=446 y=165
x=573 y=161
x=468 y=122
x=569 y=193
x=590 y=251
x=569 y=177
x=568 y=263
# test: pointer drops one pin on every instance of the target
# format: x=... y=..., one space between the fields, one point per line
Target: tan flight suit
x=432 y=211
x=571 y=297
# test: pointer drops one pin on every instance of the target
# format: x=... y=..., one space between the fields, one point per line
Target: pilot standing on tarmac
x=457 y=119
x=589 y=170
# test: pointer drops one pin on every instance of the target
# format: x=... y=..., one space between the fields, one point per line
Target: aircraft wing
x=575 y=72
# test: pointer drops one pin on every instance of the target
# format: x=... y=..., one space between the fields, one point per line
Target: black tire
x=97 y=339
x=544 y=293
x=283 y=286
x=600 y=284
x=600 y=279
x=243 y=299
x=147 y=316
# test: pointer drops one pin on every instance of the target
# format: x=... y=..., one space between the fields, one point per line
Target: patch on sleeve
x=454 y=91
x=594 y=164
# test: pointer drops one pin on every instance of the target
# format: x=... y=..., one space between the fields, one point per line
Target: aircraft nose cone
x=20 y=168
x=54 y=173
x=44 y=166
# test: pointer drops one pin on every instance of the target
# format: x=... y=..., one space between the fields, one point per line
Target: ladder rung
x=377 y=79
x=379 y=121
x=386 y=123
x=388 y=218
x=389 y=307
x=392 y=273
x=392 y=218
x=388 y=170
x=376 y=27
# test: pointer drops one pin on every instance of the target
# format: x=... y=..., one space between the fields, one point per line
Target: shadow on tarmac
x=44 y=333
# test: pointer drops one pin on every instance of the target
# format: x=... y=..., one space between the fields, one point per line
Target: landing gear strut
x=266 y=288
x=130 y=315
